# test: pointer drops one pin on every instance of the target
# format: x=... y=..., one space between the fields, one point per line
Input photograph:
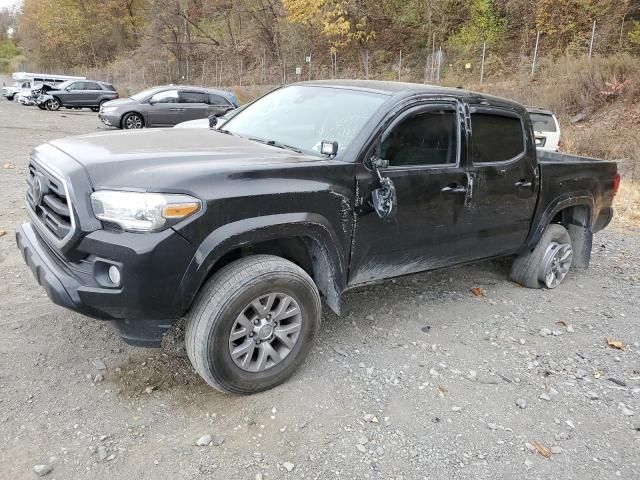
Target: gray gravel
x=439 y=369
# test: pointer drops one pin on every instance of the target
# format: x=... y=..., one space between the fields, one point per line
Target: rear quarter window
x=496 y=138
x=542 y=122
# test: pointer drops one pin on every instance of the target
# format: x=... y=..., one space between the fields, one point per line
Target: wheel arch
x=575 y=212
x=142 y=115
x=305 y=239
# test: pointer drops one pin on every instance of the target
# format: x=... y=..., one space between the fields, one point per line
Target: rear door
x=194 y=105
x=504 y=178
x=218 y=105
x=92 y=94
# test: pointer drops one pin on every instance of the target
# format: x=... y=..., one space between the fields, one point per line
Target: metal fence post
x=484 y=49
x=593 y=34
x=535 y=55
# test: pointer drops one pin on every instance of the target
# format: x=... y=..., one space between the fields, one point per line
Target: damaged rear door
x=416 y=166
x=504 y=175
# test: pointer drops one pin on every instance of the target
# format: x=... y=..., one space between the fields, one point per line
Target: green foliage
x=482 y=25
x=8 y=49
x=634 y=35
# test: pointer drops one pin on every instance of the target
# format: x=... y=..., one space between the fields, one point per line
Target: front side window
x=76 y=86
x=424 y=138
x=304 y=116
x=192 y=97
x=495 y=138
x=168 y=96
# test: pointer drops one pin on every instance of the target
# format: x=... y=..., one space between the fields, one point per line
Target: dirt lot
x=420 y=379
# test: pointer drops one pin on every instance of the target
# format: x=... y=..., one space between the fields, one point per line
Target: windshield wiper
x=273 y=143
x=226 y=132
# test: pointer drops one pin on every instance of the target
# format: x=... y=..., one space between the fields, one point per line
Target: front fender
x=258 y=229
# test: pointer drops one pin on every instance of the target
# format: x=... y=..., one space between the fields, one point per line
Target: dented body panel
x=317 y=211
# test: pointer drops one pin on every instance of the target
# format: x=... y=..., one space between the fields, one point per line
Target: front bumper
x=152 y=267
x=109 y=120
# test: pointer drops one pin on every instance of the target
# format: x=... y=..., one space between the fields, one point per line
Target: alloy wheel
x=556 y=262
x=265 y=332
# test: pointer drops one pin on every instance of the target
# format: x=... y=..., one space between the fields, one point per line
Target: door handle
x=454 y=188
x=177 y=109
x=523 y=183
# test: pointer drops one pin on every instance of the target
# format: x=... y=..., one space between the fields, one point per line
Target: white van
x=24 y=82
x=546 y=129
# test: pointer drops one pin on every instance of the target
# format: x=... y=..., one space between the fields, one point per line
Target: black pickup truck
x=313 y=189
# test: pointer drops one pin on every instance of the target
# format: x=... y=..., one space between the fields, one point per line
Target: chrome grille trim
x=54 y=219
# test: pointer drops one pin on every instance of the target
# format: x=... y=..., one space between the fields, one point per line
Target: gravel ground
x=420 y=378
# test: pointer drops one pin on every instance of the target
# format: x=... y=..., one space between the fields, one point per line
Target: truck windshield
x=302 y=116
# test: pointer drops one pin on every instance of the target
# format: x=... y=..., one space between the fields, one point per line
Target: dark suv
x=79 y=94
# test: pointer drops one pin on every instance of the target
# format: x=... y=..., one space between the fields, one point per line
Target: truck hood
x=162 y=159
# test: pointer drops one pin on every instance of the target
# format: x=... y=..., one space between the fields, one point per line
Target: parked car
x=78 y=94
x=165 y=107
x=206 y=122
x=311 y=190
x=25 y=80
x=546 y=129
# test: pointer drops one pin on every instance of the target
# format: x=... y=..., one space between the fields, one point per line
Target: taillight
x=616 y=183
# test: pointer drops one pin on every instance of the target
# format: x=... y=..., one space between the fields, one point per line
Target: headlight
x=108 y=109
x=142 y=212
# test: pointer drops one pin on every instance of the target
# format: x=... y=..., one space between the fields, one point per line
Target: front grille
x=51 y=208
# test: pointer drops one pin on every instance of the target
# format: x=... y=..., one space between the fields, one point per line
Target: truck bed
x=567 y=179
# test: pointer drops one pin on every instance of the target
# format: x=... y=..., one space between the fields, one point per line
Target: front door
x=73 y=95
x=503 y=171
x=164 y=109
x=424 y=146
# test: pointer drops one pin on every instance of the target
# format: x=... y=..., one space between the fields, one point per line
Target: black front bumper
x=152 y=269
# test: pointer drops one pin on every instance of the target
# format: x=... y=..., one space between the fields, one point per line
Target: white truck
x=25 y=81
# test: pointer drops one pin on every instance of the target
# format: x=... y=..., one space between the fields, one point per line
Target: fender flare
x=583 y=198
x=269 y=227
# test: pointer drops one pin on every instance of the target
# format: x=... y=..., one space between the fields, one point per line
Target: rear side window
x=192 y=97
x=218 y=100
x=425 y=138
x=496 y=138
x=91 y=86
x=542 y=122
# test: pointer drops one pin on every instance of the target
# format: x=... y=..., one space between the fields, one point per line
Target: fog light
x=114 y=275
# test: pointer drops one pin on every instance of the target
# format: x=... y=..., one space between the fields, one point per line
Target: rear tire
x=95 y=109
x=548 y=264
x=239 y=349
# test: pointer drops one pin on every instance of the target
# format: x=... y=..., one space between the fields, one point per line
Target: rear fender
x=562 y=202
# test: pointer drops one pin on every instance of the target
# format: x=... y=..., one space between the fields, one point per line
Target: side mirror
x=383 y=199
x=328 y=148
x=213 y=121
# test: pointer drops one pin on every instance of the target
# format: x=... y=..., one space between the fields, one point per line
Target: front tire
x=53 y=104
x=253 y=324
x=132 y=121
x=548 y=264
